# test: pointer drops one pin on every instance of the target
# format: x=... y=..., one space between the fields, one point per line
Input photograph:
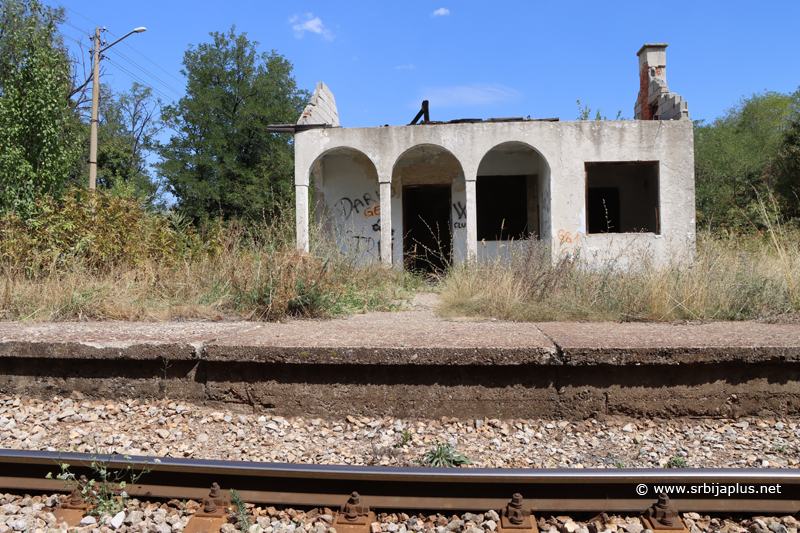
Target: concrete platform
x=415 y=364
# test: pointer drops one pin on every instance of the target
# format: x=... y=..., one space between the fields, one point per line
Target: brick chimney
x=655 y=101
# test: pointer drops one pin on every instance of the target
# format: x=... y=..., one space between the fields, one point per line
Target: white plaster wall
x=458 y=218
x=346 y=186
x=565 y=147
x=668 y=142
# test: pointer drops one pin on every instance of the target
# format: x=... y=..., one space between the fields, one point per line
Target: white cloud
x=309 y=22
x=403 y=67
x=442 y=11
x=477 y=94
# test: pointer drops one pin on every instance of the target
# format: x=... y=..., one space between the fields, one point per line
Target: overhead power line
x=147 y=58
x=142 y=69
x=143 y=82
x=82 y=30
x=70 y=9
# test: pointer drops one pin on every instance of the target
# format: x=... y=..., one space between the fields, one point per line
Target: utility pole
x=96 y=101
x=95 y=104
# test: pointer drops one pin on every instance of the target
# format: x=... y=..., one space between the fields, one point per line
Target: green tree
x=128 y=125
x=736 y=155
x=787 y=178
x=222 y=161
x=38 y=147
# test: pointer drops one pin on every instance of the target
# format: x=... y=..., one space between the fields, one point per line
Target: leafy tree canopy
x=738 y=158
x=128 y=124
x=221 y=161
x=37 y=146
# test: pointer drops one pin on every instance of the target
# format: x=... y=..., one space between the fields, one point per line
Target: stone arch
x=347 y=200
x=426 y=163
x=429 y=181
x=512 y=195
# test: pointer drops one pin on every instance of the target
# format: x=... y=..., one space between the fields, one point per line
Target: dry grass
x=732 y=278
x=247 y=285
x=230 y=272
x=98 y=258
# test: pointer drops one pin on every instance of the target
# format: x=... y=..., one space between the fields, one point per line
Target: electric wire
x=143 y=82
x=82 y=30
x=127 y=59
x=162 y=82
x=147 y=58
x=70 y=9
x=70 y=38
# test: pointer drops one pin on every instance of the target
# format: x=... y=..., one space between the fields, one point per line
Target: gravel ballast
x=180 y=429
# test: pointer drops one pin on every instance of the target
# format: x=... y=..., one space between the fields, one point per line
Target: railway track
x=755 y=491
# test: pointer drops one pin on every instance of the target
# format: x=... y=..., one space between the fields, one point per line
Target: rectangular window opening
x=501 y=203
x=622 y=197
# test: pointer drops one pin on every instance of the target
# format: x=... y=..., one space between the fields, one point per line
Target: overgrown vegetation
x=733 y=277
x=226 y=248
x=751 y=152
x=93 y=256
x=105 y=491
x=444 y=455
x=240 y=508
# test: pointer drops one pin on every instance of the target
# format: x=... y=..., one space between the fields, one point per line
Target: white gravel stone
x=118 y=520
x=184 y=430
x=87 y=521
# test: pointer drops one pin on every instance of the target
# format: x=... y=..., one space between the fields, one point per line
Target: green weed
x=105 y=492
x=241 y=511
x=444 y=455
x=676 y=462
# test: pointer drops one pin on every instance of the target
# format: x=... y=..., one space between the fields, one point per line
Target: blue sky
x=470 y=59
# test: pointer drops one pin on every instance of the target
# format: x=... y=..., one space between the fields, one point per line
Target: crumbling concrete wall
x=347 y=203
x=563 y=149
x=321 y=109
x=655 y=101
x=555 y=160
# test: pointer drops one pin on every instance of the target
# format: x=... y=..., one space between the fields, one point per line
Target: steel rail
x=476 y=489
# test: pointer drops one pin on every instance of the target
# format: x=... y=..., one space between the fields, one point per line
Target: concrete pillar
x=472 y=222
x=386 y=224
x=301 y=216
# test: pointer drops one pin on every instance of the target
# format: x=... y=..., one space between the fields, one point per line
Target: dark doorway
x=427 y=239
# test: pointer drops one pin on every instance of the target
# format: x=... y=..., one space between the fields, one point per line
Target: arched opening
x=347 y=201
x=512 y=196
x=430 y=182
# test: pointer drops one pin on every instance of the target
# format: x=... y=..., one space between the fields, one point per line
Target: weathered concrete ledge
x=412 y=364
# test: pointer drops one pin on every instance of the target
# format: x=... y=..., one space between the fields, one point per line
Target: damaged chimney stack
x=655 y=101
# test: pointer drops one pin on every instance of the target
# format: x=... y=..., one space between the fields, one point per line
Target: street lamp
x=96 y=101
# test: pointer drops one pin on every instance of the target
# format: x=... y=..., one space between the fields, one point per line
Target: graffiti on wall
x=461 y=213
x=370 y=243
x=565 y=237
x=348 y=205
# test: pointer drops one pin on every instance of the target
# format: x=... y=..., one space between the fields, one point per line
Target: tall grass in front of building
x=733 y=277
x=94 y=257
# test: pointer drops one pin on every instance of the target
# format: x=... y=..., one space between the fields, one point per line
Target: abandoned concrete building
x=431 y=192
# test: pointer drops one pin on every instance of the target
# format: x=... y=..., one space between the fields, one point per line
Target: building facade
x=427 y=194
